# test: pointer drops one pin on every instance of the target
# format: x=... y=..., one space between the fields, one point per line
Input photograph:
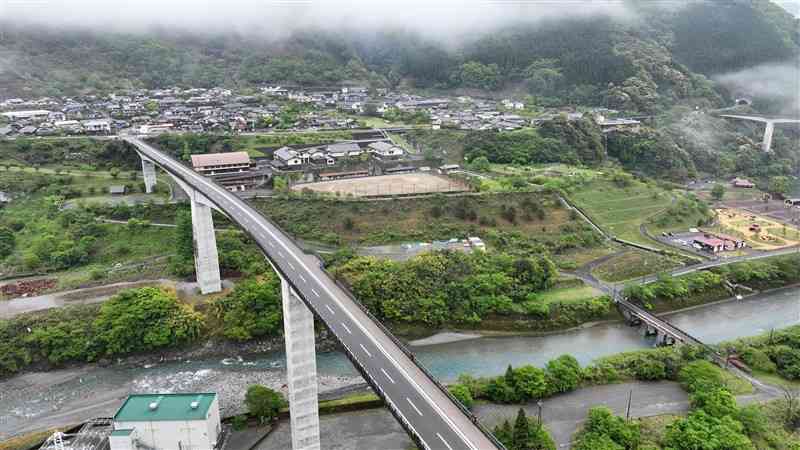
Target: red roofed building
x=217 y=163
x=710 y=244
x=731 y=242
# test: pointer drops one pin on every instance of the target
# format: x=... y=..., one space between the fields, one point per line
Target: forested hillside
x=641 y=63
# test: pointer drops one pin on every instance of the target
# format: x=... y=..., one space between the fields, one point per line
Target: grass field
x=633 y=264
x=409 y=220
x=621 y=211
x=254 y=144
x=112 y=243
x=570 y=294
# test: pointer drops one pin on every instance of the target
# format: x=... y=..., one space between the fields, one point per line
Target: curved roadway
x=415 y=399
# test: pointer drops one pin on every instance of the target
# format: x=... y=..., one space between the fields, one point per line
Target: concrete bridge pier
x=659 y=338
x=768 y=131
x=149 y=171
x=206 y=258
x=301 y=370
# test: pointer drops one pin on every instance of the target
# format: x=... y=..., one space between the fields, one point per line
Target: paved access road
x=414 y=398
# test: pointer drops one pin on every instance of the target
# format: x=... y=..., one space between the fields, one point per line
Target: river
x=38 y=400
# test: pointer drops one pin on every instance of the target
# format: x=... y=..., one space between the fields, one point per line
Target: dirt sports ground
x=400 y=184
x=771 y=234
x=774 y=209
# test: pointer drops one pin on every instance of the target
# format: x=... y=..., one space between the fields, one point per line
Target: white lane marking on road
x=365 y=350
x=347 y=329
x=315 y=292
x=443 y=441
x=413 y=406
x=271 y=244
x=302 y=277
x=331 y=310
x=387 y=375
x=280 y=254
x=292 y=266
x=235 y=201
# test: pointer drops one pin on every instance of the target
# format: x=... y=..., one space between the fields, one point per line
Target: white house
x=97 y=126
x=38 y=114
x=288 y=157
x=156 y=129
x=384 y=149
x=167 y=422
x=343 y=149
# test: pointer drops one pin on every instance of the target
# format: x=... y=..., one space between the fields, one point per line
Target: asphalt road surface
x=427 y=411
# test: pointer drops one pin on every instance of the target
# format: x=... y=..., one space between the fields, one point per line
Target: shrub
x=603 y=430
x=563 y=374
x=702 y=431
x=758 y=359
x=239 y=422
x=717 y=402
x=500 y=391
x=530 y=383
x=252 y=310
x=463 y=394
x=700 y=375
x=263 y=402
x=650 y=370
x=145 y=319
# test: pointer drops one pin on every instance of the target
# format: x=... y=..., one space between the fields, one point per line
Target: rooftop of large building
x=153 y=407
x=220 y=159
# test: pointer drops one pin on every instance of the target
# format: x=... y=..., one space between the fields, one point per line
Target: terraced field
x=620 y=211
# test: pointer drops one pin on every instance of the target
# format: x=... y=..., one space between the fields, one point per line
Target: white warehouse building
x=167 y=422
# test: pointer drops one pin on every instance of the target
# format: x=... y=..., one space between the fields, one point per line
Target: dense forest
x=662 y=56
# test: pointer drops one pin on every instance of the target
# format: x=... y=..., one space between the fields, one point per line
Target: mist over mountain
x=632 y=54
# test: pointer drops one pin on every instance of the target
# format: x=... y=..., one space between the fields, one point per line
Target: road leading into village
x=415 y=399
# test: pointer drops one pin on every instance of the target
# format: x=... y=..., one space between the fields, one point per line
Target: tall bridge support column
x=301 y=370
x=149 y=171
x=206 y=258
x=768 y=131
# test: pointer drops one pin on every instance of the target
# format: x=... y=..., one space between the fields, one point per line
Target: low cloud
x=778 y=83
x=440 y=18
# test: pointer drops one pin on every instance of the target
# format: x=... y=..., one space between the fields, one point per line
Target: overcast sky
x=275 y=17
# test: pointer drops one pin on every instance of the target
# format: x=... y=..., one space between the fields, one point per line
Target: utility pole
x=539 y=404
x=628 y=413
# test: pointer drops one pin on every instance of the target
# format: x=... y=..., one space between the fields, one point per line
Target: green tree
x=717 y=192
x=463 y=394
x=702 y=431
x=7 y=241
x=182 y=264
x=481 y=164
x=252 y=310
x=263 y=403
x=144 y=319
x=530 y=382
x=717 y=402
x=114 y=172
x=521 y=429
x=607 y=431
x=477 y=75
x=780 y=185
x=563 y=373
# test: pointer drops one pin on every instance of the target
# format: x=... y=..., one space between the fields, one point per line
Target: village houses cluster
x=270 y=107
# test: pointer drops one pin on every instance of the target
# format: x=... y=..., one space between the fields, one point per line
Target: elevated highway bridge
x=432 y=417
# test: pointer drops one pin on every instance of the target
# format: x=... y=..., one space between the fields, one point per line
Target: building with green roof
x=188 y=421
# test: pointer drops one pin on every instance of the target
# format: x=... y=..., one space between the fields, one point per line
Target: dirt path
x=85 y=296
